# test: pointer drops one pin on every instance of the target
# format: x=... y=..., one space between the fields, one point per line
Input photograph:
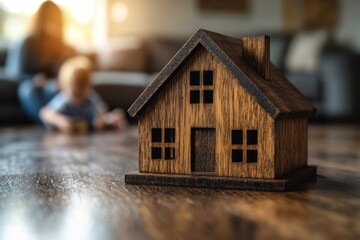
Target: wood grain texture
x=203 y=150
x=287 y=183
x=233 y=109
x=291 y=151
x=277 y=96
x=244 y=82
x=72 y=187
x=256 y=52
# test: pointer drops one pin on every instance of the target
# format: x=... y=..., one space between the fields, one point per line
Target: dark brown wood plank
x=203 y=144
x=283 y=184
x=256 y=52
x=171 y=108
x=55 y=186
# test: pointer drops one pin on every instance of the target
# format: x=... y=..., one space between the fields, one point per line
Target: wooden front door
x=203 y=150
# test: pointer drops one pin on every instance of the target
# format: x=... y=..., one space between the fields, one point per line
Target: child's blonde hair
x=75 y=72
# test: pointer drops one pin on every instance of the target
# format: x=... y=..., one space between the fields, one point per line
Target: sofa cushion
x=305 y=50
x=123 y=54
x=12 y=113
x=278 y=46
x=307 y=84
x=161 y=50
x=120 y=89
x=121 y=78
x=3 y=55
x=8 y=90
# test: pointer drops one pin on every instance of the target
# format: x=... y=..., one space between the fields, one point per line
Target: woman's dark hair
x=48 y=16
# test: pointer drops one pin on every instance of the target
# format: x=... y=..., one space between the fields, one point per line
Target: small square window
x=169 y=153
x=156 y=153
x=252 y=156
x=237 y=156
x=194 y=96
x=169 y=135
x=208 y=78
x=237 y=137
x=194 y=78
x=208 y=96
x=252 y=137
x=156 y=135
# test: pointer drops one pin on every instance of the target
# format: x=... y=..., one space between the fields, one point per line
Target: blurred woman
x=41 y=54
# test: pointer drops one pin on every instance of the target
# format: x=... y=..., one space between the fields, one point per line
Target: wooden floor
x=58 y=187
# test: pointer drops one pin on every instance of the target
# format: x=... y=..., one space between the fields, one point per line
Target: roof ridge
x=276 y=96
x=246 y=83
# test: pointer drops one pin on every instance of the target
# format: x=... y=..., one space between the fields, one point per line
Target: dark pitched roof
x=278 y=96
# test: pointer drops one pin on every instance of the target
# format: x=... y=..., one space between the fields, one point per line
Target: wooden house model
x=221 y=115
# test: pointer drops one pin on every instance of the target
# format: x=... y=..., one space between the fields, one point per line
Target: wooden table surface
x=59 y=187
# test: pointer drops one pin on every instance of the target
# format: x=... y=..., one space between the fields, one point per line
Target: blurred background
x=316 y=43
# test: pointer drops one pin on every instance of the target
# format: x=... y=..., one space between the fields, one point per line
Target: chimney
x=256 y=52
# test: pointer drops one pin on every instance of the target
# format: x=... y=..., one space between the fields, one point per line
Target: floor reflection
x=15 y=225
x=55 y=186
x=78 y=220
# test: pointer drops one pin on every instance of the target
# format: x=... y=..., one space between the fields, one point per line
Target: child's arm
x=99 y=122
x=99 y=108
x=116 y=119
x=103 y=118
x=57 y=120
x=52 y=116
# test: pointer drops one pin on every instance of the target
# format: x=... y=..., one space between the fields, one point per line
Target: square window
x=251 y=137
x=156 y=153
x=237 y=137
x=169 y=135
x=208 y=96
x=251 y=156
x=156 y=135
x=195 y=96
x=208 y=78
x=169 y=153
x=237 y=156
x=194 y=78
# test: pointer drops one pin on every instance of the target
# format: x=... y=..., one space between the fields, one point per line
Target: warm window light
x=77 y=17
x=82 y=11
x=119 y=12
x=20 y=6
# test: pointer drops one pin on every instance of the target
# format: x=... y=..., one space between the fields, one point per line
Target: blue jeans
x=32 y=99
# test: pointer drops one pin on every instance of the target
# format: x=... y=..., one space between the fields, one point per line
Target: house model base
x=202 y=181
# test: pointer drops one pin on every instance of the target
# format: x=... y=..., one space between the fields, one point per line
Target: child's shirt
x=86 y=111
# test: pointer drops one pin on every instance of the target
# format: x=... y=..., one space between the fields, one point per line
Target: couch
x=127 y=65
x=10 y=110
x=333 y=84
